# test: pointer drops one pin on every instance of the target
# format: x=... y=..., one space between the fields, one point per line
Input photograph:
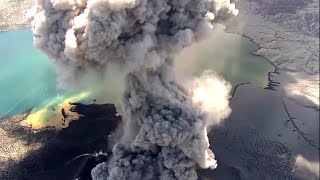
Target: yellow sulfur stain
x=51 y=114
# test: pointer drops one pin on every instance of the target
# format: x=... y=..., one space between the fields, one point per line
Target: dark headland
x=45 y=154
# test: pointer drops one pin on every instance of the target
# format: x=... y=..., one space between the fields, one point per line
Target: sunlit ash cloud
x=165 y=129
x=212 y=93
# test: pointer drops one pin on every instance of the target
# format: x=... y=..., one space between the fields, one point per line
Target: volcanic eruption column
x=140 y=38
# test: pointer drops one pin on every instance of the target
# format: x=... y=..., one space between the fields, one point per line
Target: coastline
x=270 y=83
x=294 y=54
x=252 y=48
x=252 y=40
x=14 y=28
x=49 y=153
x=293 y=85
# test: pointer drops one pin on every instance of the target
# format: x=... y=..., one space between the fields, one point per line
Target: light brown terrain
x=12 y=14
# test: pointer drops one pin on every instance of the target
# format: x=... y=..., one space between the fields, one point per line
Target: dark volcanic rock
x=89 y=134
x=93 y=110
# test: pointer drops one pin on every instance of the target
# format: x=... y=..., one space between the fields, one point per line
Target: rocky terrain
x=287 y=110
x=288 y=35
x=12 y=14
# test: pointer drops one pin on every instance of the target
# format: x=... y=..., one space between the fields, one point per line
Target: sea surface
x=28 y=77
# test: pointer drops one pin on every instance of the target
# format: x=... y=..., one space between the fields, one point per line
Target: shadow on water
x=278 y=118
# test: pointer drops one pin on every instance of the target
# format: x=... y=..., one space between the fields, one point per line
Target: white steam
x=306 y=169
x=212 y=93
x=141 y=38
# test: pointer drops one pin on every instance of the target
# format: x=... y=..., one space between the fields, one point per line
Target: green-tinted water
x=228 y=54
x=28 y=79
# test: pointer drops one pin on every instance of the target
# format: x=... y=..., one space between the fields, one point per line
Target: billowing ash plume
x=167 y=132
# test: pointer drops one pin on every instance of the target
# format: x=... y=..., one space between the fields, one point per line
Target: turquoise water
x=27 y=77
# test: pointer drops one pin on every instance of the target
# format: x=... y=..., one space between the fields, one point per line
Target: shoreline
x=296 y=69
x=270 y=84
x=266 y=76
x=252 y=40
x=15 y=28
x=50 y=153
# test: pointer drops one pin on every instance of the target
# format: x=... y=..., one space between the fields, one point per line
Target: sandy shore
x=12 y=14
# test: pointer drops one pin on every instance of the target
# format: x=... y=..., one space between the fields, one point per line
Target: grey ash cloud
x=165 y=134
